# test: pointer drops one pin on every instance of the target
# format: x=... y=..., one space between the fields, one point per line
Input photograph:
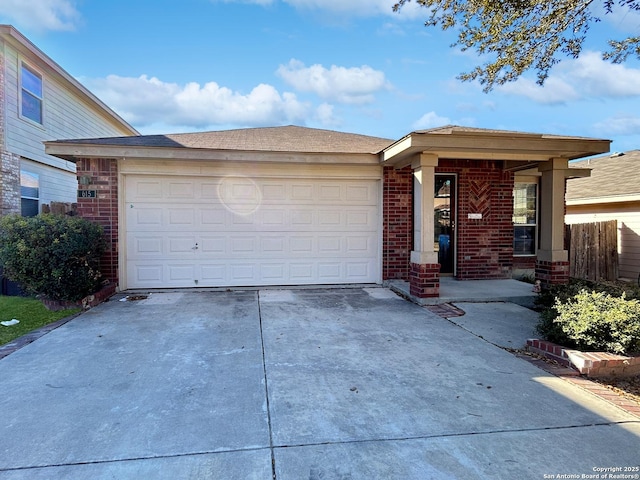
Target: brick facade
x=425 y=280
x=9 y=183
x=9 y=162
x=397 y=223
x=552 y=273
x=484 y=246
x=102 y=176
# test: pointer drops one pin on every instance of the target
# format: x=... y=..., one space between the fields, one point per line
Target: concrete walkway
x=452 y=290
x=295 y=384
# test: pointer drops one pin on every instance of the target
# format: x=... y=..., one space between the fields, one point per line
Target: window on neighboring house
x=31 y=94
x=29 y=193
x=525 y=218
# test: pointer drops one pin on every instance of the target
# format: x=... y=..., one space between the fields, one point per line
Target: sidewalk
x=452 y=291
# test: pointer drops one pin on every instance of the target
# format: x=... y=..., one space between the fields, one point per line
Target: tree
x=518 y=35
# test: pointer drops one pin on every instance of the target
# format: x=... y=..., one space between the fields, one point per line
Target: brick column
x=552 y=273
x=101 y=175
x=9 y=183
x=425 y=280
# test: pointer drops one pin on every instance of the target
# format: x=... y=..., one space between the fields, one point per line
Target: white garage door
x=233 y=231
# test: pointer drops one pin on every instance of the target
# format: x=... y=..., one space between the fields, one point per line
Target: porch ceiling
x=518 y=150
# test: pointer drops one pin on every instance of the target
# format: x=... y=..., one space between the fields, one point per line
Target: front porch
x=449 y=207
x=452 y=291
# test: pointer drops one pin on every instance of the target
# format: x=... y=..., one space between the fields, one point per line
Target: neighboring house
x=612 y=192
x=292 y=205
x=40 y=101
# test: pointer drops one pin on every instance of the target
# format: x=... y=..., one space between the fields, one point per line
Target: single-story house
x=292 y=205
x=612 y=192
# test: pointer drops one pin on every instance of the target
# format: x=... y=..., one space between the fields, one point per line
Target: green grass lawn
x=31 y=313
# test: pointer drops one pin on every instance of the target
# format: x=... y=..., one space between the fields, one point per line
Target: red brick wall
x=103 y=175
x=552 y=273
x=398 y=223
x=485 y=246
x=425 y=280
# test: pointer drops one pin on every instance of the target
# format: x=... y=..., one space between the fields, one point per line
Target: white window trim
x=37 y=71
x=26 y=197
x=535 y=225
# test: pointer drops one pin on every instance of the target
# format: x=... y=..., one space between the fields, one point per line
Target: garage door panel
x=273 y=245
x=185 y=232
x=213 y=274
x=147 y=217
x=181 y=272
x=181 y=190
x=213 y=245
x=212 y=217
x=181 y=245
x=182 y=217
x=143 y=189
x=329 y=272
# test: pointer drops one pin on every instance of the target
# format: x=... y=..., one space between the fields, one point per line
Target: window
x=525 y=218
x=29 y=193
x=31 y=94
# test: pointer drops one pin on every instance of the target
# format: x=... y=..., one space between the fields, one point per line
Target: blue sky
x=170 y=66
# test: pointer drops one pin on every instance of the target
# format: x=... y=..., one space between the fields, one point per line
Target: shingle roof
x=611 y=176
x=272 y=139
x=448 y=129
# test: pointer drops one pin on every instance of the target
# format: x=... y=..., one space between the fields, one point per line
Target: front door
x=444 y=219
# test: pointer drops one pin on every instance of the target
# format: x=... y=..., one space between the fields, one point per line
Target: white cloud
x=430 y=120
x=598 y=77
x=621 y=124
x=145 y=101
x=41 y=14
x=351 y=7
x=355 y=85
x=326 y=116
x=587 y=76
x=554 y=91
x=623 y=19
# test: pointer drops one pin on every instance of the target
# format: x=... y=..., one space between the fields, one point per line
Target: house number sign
x=87 y=194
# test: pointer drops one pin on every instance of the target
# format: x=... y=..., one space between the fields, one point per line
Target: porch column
x=424 y=276
x=552 y=264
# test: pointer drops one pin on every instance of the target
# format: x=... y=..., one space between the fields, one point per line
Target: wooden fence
x=593 y=250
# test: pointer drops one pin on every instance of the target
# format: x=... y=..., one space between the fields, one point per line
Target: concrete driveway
x=290 y=385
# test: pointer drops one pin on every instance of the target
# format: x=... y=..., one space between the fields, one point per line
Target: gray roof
x=615 y=175
x=270 y=139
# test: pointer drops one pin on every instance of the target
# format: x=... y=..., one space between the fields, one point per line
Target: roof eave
x=73 y=152
x=490 y=145
x=603 y=199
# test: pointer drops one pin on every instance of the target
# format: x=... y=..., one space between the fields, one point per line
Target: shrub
x=598 y=321
x=546 y=303
x=52 y=255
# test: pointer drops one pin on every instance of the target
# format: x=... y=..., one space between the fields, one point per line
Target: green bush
x=599 y=321
x=547 y=300
x=52 y=255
